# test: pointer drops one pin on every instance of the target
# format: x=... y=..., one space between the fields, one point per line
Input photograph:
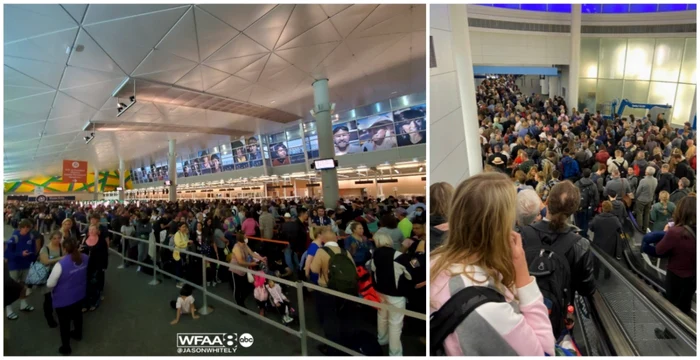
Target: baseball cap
x=287 y=215
x=342 y=207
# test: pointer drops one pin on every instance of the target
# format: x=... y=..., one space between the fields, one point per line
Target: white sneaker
x=138 y=268
x=29 y=292
x=287 y=319
x=213 y=284
x=179 y=285
x=218 y=281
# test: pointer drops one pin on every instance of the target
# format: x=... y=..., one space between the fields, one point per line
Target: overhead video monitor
x=324 y=164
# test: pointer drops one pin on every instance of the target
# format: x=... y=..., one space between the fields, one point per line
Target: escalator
x=640 y=264
x=625 y=314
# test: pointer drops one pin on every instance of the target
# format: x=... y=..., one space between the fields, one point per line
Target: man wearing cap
x=405 y=225
x=341 y=139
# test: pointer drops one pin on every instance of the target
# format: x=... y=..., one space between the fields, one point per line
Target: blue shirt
x=361 y=253
x=312 y=252
x=322 y=221
x=16 y=245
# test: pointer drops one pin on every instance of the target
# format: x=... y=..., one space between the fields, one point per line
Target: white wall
x=448 y=152
x=503 y=47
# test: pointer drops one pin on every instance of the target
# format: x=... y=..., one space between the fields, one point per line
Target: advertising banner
x=75 y=171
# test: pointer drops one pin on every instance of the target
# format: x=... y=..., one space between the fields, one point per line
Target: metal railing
x=303 y=333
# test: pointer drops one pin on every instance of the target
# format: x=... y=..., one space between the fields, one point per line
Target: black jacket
x=436 y=235
x=667 y=182
x=295 y=233
x=683 y=170
x=677 y=195
x=606 y=228
x=579 y=255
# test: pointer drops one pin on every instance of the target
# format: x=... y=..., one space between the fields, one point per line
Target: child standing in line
x=184 y=304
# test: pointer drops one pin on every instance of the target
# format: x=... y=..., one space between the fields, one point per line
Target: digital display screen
x=167 y=183
x=324 y=164
x=120 y=188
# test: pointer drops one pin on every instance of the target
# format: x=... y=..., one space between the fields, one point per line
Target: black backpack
x=445 y=320
x=623 y=171
x=548 y=264
x=587 y=197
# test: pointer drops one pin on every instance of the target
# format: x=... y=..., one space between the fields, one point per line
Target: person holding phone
x=482 y=250
x=20 y=252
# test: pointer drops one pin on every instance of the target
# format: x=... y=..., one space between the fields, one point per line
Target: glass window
x=293 y=133
x=643 y=8
x=640 y=53
x=636 y=91
x=616 y=8
x=683 y=105
x=667 y=59
x=590 y=8
x=534 y=7
x=689 y=64
x=611 y=63
x=590 y=48
x=560 y=8
x=662 y=93
x=276 y=138
x=586 y=94
x=606 y=92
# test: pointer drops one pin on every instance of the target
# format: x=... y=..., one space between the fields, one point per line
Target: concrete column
x=554 y=89
x=693 y=110
x=96 y=185
x=122 y=178
x=575 y=61
x=263 y=146
x=461 y=52
x=326 y=149
x=172 y=171
x=303 y=144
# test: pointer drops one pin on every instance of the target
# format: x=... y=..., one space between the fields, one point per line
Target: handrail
x=303 y=332
x=655 y=301
x=612 y=327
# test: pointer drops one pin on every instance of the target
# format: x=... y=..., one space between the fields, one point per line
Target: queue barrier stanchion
x=205 y=310
x=123 y=265
x=303 y=333
x=302 y=319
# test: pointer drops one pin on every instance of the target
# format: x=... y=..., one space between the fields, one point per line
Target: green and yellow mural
x=107 y=181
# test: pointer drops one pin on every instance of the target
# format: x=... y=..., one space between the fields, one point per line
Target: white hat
x=342 y=207
x=287 y=215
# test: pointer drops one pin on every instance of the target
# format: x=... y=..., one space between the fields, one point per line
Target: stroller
x=267 y=296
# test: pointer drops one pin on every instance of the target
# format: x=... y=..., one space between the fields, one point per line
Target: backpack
x=342 y=275
x=587 y=197
x=623 y=171
x=636 y=168
x=445 y=320
x=570 y=168
x=551 y=269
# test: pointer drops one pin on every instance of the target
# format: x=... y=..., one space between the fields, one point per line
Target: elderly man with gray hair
x=528 y=208
x=645 y=196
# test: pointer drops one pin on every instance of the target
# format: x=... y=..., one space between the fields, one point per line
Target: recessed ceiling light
x=272 y=102
x=394 y=93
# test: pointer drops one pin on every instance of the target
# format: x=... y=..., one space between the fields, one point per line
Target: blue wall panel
x=616 y=8
x=515 y=70
x=643 y=8
x=534 y=7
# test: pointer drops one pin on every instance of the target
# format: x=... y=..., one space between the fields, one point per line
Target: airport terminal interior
x=134 y=114
x=514 y=88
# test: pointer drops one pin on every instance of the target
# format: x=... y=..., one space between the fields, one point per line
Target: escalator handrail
x=609 y=327
x=657 y=301
x=629 y=254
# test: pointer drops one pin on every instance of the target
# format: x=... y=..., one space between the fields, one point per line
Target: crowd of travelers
x=556 y=182
x=363 y=247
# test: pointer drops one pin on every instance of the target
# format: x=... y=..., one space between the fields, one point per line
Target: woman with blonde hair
x=483 y=251
x=690 y=156
x=542 y=188
x=440 y=202
x=661 y=211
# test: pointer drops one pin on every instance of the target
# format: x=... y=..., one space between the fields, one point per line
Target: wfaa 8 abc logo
x=212 y=343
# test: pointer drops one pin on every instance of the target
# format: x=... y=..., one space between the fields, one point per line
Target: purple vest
x=72 y=284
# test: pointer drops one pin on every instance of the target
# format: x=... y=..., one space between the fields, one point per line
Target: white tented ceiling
x=62 y=63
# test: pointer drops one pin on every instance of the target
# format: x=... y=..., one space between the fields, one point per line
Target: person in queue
x=529 y=208
x=250 y=227
x=392 y=281
x=645 y=197
x=181 y=241
x=482 y=250
x=96 y=247
x=68 y=229
x=607 y=232
x=316 y=233
x=267 y=223
x=563 y=239
x=661 y=212
x=357 y=244
x=68 y=281
x=49 y=255
x=440 y=201
x=682 y=191
x=243 y=256
x=680 y=245
x=20 y=251
x=389 y=225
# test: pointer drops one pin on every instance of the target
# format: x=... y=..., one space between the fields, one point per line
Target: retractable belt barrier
x=303 y=333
